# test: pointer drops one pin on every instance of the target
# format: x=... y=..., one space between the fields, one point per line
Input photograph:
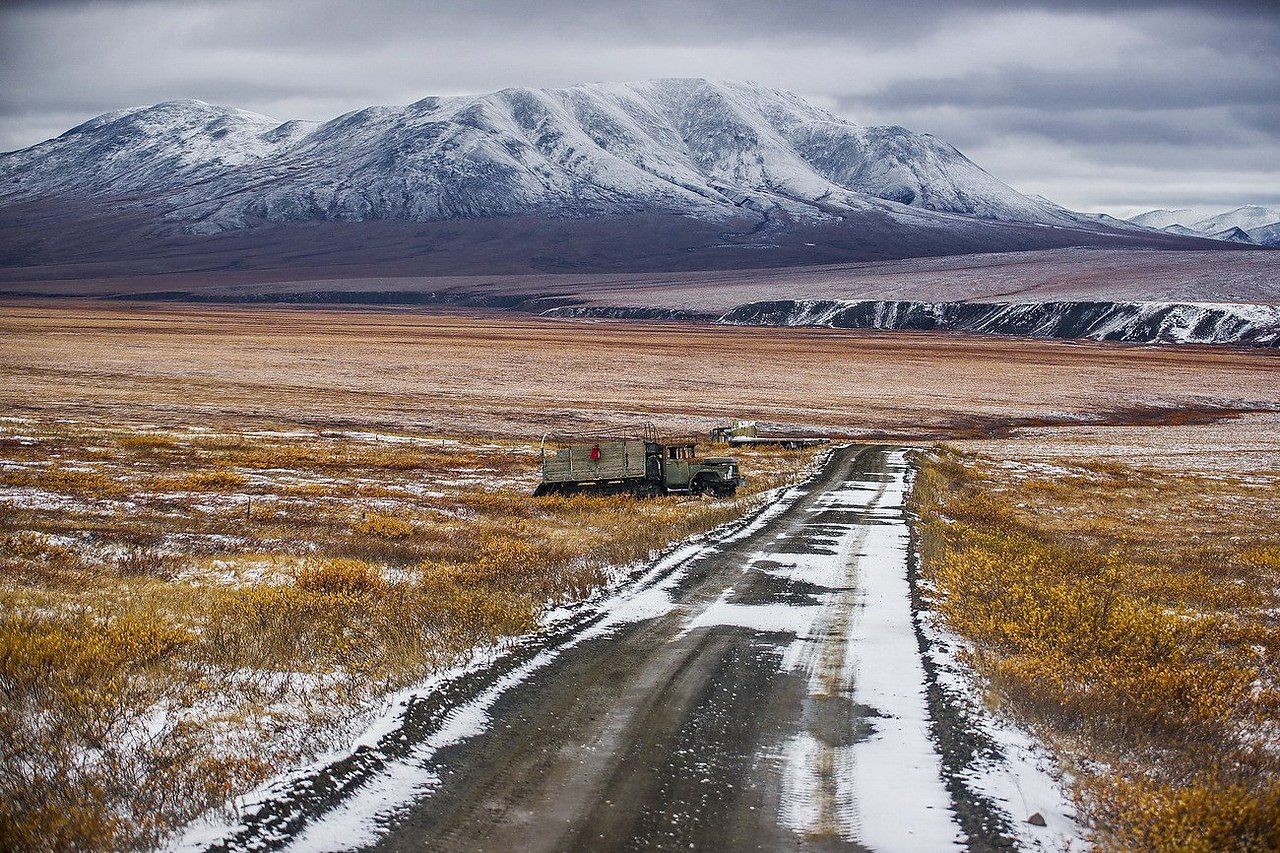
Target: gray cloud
x=1152 y=89
x=1098 y=105
x=1210 y=128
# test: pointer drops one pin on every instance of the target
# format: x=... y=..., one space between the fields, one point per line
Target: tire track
x=713 y=704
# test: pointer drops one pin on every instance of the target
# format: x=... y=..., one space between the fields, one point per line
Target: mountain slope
x=675 y=173
x=1267 y=235
x=1233 y=234
x=691 y=147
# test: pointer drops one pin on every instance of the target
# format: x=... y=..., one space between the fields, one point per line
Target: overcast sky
x=1116 y=107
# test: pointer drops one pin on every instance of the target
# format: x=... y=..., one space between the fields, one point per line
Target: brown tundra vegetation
x=226 y=532
x=1128 y=614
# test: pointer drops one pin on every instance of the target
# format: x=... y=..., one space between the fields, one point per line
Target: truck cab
x=683 y=472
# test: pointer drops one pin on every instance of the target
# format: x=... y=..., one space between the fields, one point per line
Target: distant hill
x=1249 y=224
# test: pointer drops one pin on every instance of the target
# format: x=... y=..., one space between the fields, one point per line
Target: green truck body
x=641 y=466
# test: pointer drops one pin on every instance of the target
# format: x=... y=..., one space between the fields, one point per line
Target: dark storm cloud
x=1083 y=89
x=1084 y=101
x=1105 y=128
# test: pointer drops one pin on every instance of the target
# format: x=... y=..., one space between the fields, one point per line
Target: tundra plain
x=339 y=468
x=506 y=375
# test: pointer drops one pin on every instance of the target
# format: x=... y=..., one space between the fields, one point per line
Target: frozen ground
x=1246 y=445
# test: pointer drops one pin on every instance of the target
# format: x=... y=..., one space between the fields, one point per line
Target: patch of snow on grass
x=1025 y=780
x=359 y=819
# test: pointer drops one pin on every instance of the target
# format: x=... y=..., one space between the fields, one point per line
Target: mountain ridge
x=680 y=172
x=1250 y=223
x=688 y=146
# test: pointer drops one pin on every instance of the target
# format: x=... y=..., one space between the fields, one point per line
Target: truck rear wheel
x=646 y=489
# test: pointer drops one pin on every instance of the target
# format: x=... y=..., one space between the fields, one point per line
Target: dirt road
x=760 y=692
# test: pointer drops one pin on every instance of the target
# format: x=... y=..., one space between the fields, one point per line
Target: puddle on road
x=763 y=588
x=838 y=721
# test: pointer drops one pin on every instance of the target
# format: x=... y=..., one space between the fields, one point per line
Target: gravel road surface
x=760 y=691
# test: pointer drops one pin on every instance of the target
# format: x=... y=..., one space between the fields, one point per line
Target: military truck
x=639 y=464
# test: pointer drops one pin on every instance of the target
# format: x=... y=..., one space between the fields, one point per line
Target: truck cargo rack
x=645 y=432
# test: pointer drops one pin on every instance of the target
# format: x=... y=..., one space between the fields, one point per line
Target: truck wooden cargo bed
x=618 y=460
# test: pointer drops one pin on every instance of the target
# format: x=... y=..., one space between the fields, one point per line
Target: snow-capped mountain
x=1165 y=218
x=1249 y=224
x=1247 y=218
x=149 y=149
x=677 y=174
x=712 y=150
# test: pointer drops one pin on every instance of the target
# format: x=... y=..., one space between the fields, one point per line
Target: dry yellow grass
x=285 y=552
x=184 y=612
x=1129 y=615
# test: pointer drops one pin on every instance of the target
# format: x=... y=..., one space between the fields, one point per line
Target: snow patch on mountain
x=1132 y=322
x=719 y=151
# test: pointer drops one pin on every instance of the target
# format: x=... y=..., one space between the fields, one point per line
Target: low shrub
x=385 y=526
x=1206 y=814
x=340 y=577
x=1137 y=651
x=73 y=772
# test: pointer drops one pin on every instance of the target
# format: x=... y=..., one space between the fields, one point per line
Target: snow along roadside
x=993 y=761
x=880 y=785
x=394 y=772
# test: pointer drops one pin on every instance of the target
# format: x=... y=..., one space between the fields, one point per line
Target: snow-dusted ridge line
x=1131 y=322
x=1128 y=322
x=713 y=150
x=1250 y=224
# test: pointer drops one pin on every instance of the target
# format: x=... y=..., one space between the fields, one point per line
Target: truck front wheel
x=724 y=490
x=714 y=487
